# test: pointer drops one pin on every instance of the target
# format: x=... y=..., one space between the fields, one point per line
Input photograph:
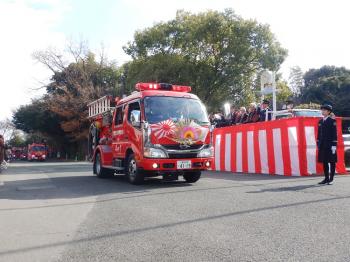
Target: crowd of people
x=239 y=116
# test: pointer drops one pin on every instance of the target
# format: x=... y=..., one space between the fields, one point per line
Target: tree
x=39 y=122
x=37 y=117
x=17 y=140
x=217 y=53
x=328 y=84
x=7 y=128
x=283 y=94
x=296 y=80
x=74 y=85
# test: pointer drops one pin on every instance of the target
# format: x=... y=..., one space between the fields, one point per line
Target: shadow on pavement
x=284 y=189
x=114 y=234
x=250 y=177
x=79 y=186
x=72 y=186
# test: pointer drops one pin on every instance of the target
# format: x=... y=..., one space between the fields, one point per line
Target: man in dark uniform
x=265 y=110
x=327 y=144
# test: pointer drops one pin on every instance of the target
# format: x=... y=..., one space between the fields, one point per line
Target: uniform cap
x=327 y=107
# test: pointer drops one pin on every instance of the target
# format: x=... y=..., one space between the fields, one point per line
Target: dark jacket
x=326 y=138
x=262 y=114
x=233 y=118
x=253 y=117
x=241 y=118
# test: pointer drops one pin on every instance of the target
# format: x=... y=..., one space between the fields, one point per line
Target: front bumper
x=37 y=158
x=166 y=164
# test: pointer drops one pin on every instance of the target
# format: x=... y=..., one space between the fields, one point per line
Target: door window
x=119 y=116
x=133 y=106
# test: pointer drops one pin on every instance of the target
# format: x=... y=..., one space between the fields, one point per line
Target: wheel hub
x=132 y=168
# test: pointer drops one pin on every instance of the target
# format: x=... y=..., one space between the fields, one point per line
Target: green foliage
x=328 y=84
x=37 y=117
x=217 y=53
x=162 y=68
x=308 y=106
x=284 y=91
x=39 y=122
x=283 y=94
x=17 y=140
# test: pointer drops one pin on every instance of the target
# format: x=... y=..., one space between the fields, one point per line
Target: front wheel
x=100 y=171
x=192 y=177
x=133 y=173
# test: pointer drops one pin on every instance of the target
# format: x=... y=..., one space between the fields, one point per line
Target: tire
x=100 y=171
x=192 y=177
x=134 y=174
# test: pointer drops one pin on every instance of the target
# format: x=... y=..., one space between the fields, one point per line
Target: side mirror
x=135 y=118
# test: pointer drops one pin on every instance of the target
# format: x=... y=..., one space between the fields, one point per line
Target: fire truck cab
x=37 y=152
x=159 y=130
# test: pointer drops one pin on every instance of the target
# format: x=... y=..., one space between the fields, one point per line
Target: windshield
x=308 y=113
x=162 y=108
x=38 y=148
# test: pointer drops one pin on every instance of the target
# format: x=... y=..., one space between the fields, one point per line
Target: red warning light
x=162 y=86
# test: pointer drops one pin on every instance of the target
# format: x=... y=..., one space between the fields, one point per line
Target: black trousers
x=329 y=174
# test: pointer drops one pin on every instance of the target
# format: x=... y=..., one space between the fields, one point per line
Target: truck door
x=118 y=136
x=133 y=132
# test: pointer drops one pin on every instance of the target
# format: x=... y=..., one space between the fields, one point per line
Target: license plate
x=187 y=164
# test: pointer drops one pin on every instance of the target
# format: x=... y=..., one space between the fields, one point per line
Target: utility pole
x=268 y=86
x=274 y=102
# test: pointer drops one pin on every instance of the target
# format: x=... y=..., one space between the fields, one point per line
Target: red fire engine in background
x=159 y=130
x=19 y=153
x=37 y=152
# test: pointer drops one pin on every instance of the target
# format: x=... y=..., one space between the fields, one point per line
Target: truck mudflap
x=106 y=154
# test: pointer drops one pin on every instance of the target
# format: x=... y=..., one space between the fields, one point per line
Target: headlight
x=154 y=153
x=44 y=156
x=33 y=156
x=206 y=152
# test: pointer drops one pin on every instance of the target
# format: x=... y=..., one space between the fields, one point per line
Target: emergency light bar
x=162 y=86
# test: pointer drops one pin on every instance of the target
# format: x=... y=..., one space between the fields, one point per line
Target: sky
x=315 y=32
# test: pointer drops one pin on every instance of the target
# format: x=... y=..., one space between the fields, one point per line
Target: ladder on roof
x=100 y=106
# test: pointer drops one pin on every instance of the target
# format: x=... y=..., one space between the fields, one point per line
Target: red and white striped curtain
x=282 y=147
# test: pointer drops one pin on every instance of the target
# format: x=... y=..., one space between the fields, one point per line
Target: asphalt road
x=61 y=212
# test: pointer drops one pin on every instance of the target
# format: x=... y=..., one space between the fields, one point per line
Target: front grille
x=178 y=147
x=182 y=155
x=168 y=165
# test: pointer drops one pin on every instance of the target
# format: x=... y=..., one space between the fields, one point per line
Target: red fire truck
x=37 y=152
x=159 y=130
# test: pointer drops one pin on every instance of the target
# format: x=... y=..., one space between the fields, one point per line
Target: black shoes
x=323 y=182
